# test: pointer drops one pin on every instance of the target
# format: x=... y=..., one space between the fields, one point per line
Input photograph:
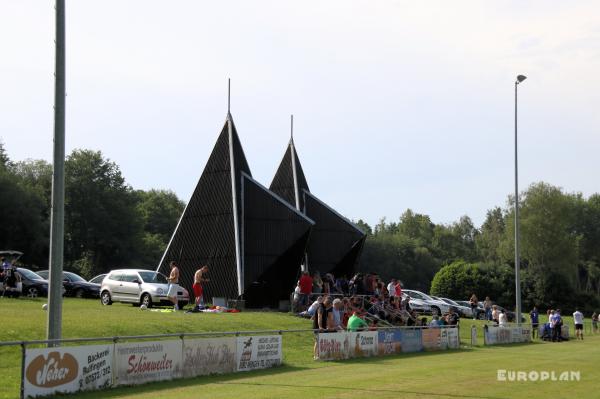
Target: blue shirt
x=534 y=315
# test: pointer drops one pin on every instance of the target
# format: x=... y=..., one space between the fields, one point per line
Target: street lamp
x=520 y=78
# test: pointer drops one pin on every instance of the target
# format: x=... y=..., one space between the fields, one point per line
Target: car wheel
x=105 y=298
x=481 y=315
x=32 y=292
x=435 y=311
x=146 y=300
x=182 y=304
x=79 y=293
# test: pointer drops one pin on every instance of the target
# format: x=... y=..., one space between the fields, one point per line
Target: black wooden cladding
x=336 y=243
x=272 y=234
x=283 y=182
x=274 y=241
x=205 y=234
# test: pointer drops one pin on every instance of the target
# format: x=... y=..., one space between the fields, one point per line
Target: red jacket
x=306 y=283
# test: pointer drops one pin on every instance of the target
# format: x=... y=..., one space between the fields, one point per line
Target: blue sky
x=397 y=104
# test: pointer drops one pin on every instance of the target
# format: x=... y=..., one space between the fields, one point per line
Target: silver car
x=139 y=287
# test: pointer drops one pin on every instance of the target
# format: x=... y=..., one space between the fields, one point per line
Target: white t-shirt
x=502 y=319
x=391 y=289
x=578 y=317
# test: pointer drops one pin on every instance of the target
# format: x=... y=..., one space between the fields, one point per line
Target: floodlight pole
x=57 y=217
x=520 y=78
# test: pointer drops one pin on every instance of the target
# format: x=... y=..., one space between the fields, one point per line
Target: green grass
x=466 y=373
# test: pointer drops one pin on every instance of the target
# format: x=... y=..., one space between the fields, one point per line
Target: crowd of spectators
x=362 y=302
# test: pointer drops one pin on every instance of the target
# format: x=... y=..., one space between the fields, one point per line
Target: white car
x=462 y=310
x=416 y=304
x=436 y=306
x=139 y=287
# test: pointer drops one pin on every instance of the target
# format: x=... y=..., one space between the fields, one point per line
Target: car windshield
x=450 y=301
x=98 y=279
x=415 y=295
x=28 y=274
x=153 y=277
x=74 y=277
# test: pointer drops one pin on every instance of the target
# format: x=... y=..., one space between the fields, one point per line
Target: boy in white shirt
x=578 y=319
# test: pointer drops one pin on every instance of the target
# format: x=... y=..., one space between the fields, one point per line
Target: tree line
x=560 y=251
x=108 y=224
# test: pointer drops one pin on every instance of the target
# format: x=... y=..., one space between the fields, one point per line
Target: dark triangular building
x=251 y=239
x=336 y=243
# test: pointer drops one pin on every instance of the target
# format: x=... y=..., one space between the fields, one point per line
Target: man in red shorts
x=199 y=278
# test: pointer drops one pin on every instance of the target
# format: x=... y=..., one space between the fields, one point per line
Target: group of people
x=9 y=278
x=199 y=279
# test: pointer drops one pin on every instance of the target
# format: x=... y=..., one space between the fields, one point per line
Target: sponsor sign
x=67 y=369
x=521 y=334
x=411 y=340
x=431 y=339
x=449 y=338
x=362 y=343
x=389 y=342
x=495 y=335
x=333 y=346
x=141 y=362
x=208 y=356
x=258 y=352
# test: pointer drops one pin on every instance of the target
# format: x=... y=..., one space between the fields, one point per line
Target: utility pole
x=57 y=217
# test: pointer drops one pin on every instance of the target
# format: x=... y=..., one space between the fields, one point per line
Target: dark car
x=34 y=285
x=76 y=285
x=510 y=315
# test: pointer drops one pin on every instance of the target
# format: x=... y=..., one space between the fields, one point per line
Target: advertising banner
x=431 y=339
x=449 y=338
x=362 y=343
x=67 y=369
x=209 y=356
x=258 y=352
x=496 y=335
x=389 y=342
x=333 y=346
x=141 y=362
x=521 y=334
x=411 y=340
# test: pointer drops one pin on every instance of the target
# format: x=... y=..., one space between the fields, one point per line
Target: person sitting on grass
x=357 y=323
x=312 y=309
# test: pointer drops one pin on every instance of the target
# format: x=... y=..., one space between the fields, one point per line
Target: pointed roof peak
x=292 y=129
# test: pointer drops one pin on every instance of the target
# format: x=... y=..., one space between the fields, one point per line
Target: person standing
x=173 y=284
x=474 y=304
x=556 y=324
x=391 y=287
x=594 y=323
x=306 y=286
x=578 y=319
x=487 y=305
x=199 y=278
x=534 y=316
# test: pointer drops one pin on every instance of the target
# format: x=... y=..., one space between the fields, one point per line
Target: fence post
x=23 y=352
x=473 y=335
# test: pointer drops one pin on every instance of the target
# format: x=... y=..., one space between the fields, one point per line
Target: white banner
x=362 y=343
x=141 y=362
x=67 y=369
x=495 y=335
x=333 y=346
x=209 y=356
x=449 y=338
x=258 y=352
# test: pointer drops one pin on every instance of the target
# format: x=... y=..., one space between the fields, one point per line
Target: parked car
x=98 y=279
x=76 y=285
x=416 y=304
x=480 y=310
x=436 y=306
x=510 y=315
x=32 y=285
x=139 y=287
x=462 y=310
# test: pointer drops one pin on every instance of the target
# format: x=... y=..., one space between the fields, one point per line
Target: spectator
x=556 y=324
x=502 y=319
x=487 y=306
x=398 y=289
x=391 y=287
x=495 y=314
x=474 y=305
x=534 y=316
x=356 y=323
x=338 y=314
x=578 y=320
x=434 y=322
x=312 y=309
x=306 y=283
x=595 y=323
x=452 y=317
x=317 y=283
x=341 y=285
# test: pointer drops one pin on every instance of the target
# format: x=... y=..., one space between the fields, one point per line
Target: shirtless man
x=198 y=280
x=173 y=281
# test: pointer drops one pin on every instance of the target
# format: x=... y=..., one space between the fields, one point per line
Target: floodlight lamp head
x=520 y=78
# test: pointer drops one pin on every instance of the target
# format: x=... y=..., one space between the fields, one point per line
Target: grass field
x=467 y=373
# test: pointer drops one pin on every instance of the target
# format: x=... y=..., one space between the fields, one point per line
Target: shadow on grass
x=154 y=387
x=365 y=390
